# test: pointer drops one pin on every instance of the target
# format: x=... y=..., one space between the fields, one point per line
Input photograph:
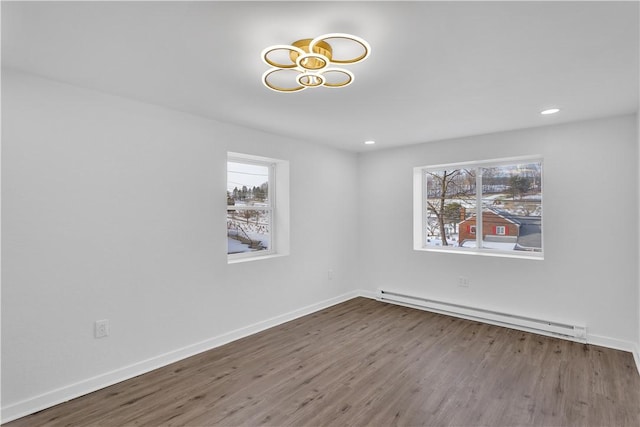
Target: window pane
x=512 y=207
x=451 y=199
x=248 y=230
x=248 y=208
x=506 y=194
x=248 y=184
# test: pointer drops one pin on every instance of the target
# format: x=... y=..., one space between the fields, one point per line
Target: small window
x=491 y=207
x=253 y=217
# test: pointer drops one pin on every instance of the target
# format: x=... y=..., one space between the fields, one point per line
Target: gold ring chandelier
x=309 y=63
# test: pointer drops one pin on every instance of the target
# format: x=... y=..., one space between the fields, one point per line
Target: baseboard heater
x=528 y=324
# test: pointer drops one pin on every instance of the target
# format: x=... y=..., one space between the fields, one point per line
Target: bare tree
x=432 y=226
x=247 y=215
x=443 y=186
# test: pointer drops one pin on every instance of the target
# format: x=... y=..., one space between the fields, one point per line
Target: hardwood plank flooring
x=366 y=363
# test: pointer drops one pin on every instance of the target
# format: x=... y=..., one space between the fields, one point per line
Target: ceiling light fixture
x=310 y=63
x=370 y=142
x=550 y=111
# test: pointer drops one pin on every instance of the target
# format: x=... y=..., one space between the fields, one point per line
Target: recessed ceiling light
x=550 y=111
x=369 y=142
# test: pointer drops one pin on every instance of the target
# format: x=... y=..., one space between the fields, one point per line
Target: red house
x=494 y=226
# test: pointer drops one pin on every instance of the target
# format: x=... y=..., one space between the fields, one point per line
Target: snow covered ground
x=235 y=246
x=257 y=231
x=453 y=242
x=503 y=246
x=435 y=241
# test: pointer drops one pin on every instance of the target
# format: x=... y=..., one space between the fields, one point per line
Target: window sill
x=529 y=255
x=253 y=258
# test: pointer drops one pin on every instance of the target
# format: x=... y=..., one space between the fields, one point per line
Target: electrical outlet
x=102 y=328
x=463 y=282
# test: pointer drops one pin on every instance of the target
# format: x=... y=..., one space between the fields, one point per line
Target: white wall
x=589 y=274
x=114 y=209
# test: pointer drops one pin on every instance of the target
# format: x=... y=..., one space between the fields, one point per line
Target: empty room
x=431 y=216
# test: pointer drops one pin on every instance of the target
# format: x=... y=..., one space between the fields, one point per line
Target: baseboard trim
x=367 y=294
x=63 y=394
x=611 y=343
x=636 y=357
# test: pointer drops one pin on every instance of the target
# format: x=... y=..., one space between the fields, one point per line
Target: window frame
x=420 y=209
x=277 y=207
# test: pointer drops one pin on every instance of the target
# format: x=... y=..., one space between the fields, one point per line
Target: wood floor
x=366 y=363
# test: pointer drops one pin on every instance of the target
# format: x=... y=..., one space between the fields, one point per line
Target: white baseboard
x=367 y=294
x=63 y=394
x=636 y=357
x=611 y=343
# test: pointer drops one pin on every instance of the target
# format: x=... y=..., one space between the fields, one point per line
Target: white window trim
x=419 y=212
x=278 y=206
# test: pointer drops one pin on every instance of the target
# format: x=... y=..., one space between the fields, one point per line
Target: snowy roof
x=530 y=230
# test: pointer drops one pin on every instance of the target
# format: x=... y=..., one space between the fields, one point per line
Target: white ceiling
x=437 y=69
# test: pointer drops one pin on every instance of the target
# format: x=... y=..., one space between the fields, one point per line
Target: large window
x=489 y=207
x=254 y=219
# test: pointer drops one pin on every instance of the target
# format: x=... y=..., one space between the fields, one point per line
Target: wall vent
x=528 y=324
